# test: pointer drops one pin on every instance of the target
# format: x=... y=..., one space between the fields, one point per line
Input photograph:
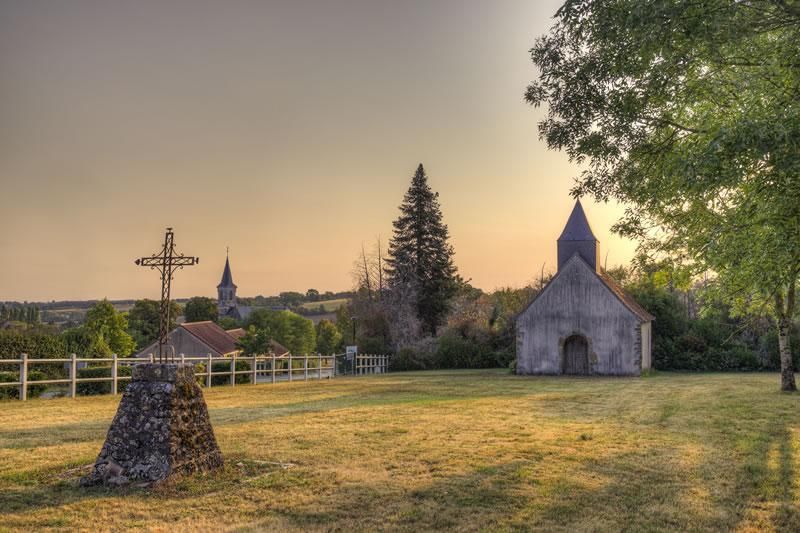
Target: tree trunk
x=785 y=314
x=787 y=372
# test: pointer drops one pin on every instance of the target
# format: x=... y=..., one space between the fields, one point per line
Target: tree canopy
x=144 y=320
x=328 y=337
x=291 y=330
x=105 y=332
x=200 y=308
x=688 y=113
x=420 y=258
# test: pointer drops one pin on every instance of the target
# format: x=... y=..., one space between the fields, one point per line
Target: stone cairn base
x=161 y=430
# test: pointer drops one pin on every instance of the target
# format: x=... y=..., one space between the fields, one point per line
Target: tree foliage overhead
x=420 y=256
x=290 y=329
x=105 y=332
x=201 y=308
x=144 y=320
x=328 y=337
x=689 y=113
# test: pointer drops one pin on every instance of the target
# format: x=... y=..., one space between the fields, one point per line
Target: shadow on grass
x=766 y=483
x=48 y=488
x=47 y=435
x=625 y=491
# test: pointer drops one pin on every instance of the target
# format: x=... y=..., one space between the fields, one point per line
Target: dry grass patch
x=469 y=450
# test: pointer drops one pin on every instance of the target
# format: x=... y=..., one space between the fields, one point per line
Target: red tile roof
x=212 y=335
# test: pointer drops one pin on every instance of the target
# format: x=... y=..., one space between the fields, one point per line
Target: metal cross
x=166 y=262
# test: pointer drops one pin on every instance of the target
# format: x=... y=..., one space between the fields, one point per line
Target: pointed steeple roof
x=227 y=277
x=577 y=228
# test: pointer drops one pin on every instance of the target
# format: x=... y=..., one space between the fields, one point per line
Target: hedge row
x=34 y=390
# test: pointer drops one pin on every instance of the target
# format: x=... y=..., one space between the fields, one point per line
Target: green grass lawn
x=465 y=450
x=330 y=306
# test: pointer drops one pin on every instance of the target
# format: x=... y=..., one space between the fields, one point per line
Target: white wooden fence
x=371 y=364
x=263 y=369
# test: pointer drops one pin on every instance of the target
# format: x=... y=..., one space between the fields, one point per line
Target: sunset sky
x=287 y=130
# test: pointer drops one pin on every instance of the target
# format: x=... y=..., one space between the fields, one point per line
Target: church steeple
x=226 y=290
x=577 y=238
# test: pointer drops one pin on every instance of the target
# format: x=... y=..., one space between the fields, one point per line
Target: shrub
x=457 y=352
x=406 y=359
x=503 y=358
x=34 y=391
x=372 y=345
x=92 y=388
x=199 y=371
x=770 y=342
x=225 y=366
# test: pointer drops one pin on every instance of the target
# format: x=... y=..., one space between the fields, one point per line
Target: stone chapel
x=583 y=322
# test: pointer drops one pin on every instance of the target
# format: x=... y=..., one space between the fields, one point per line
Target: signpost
x=350 y=356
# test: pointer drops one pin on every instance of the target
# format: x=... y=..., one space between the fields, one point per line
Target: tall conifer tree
x=420 y=256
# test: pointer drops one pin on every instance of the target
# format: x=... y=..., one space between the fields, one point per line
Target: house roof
x=212 y=335
x=277 y=348
x=227 y=277
x=577 y=228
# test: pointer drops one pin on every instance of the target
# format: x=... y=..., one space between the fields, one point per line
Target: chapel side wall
x=578 y=302
x=647 y=345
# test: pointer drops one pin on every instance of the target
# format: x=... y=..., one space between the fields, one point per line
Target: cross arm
x=158 y=261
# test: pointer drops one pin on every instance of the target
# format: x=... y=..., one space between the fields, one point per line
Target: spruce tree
x=420 y=256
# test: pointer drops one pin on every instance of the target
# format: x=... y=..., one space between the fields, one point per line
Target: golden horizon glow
x=288 y=131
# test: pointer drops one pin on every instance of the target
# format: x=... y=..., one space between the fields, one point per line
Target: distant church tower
x=577 y=238
x=226 y=290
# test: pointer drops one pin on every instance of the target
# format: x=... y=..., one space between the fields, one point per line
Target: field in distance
x=330 y=306
x=460 y=450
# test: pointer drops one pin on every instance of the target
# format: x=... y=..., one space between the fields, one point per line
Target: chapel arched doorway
x=576 y=355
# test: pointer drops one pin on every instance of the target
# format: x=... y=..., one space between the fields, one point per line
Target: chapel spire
x=577 y=238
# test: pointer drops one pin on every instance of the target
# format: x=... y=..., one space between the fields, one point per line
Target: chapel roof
x=612 y=285
x=624 y=297
x=577 y=228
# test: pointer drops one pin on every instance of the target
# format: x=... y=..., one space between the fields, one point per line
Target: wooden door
x=576 y=355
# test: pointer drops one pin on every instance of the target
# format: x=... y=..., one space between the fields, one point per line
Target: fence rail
x=263 y=369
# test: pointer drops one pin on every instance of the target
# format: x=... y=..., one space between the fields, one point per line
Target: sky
x=285 y=130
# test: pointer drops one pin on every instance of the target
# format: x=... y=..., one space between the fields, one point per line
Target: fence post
x=233 y=370
x=305 y=368
x=183 y=359
x=73 y=375
x=113 y=373
x=23 y=377
x=152 y=358
x=319 y=366
x=255 y=374
x=208 y=372
x=290 y=366
x=273 y=368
